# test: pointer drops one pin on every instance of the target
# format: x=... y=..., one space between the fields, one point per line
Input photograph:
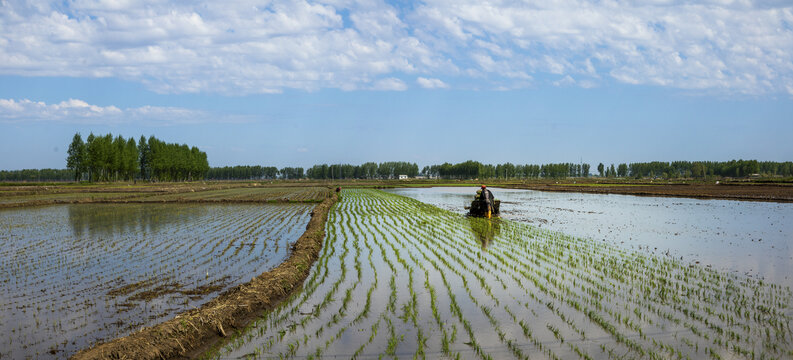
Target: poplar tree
x=75 y=160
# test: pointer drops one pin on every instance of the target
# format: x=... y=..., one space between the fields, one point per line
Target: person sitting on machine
x=486 y=197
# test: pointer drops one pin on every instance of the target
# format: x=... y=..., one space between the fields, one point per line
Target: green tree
x=76 y=159
x=698 y=170
x=601 y=168
x=622 y=170
x=144 y=158
x=130 y=160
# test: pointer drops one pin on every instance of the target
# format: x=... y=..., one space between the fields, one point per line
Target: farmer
x=487 y=200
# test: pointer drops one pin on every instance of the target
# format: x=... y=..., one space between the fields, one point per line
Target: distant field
x=602 y=185
x=15 y=196
x=60 y=197
x=295 y=194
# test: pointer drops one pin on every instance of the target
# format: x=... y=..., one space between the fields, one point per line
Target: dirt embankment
x=753 y=192
x=234 y=309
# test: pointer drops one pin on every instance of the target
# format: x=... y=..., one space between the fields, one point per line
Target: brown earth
x=197 y=192
x=750 y=192
x=190 y=332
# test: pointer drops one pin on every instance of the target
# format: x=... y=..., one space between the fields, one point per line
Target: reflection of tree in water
x=109 y=219
x=485 y=229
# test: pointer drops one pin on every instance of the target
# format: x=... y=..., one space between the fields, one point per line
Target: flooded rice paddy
x=745 y=237
x=400 y=278
x=75 y=274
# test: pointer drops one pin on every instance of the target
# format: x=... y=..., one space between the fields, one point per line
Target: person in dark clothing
x=486 y=197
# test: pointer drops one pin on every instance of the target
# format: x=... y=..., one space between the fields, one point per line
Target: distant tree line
x=369 y=170
x=473 y=169
x=698 y=169
x=243 y=172
x=37 y=175
x=105 y=158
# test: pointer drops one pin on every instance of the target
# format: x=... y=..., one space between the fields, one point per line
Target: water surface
x=751 y=238
x=75 y=274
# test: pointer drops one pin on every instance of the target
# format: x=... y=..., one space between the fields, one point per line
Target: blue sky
x=288 y=83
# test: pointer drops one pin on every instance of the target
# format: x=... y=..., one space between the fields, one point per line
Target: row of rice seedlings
x=510 y=343
x=665 y=347
x=342 y=312
x=410 y=306
x=561 y=274
x=574 y=303
x=554 y=308
x=413 y=303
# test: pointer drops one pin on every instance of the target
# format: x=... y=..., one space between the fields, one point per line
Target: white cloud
x=566 y=81
x=431 y=83
x=390 y=84
x=79 y=112
x=732 y=47
x=266 y=47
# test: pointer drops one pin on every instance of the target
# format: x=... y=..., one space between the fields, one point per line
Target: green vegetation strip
x=195 y=329
x=399 y=278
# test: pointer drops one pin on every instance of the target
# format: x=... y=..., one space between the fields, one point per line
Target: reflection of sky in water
x=108 y=220
x=753 y=238
x=62 y=264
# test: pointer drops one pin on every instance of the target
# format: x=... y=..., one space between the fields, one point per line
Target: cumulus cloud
x=80 y=112
x=266 y=47
x=431 y=83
